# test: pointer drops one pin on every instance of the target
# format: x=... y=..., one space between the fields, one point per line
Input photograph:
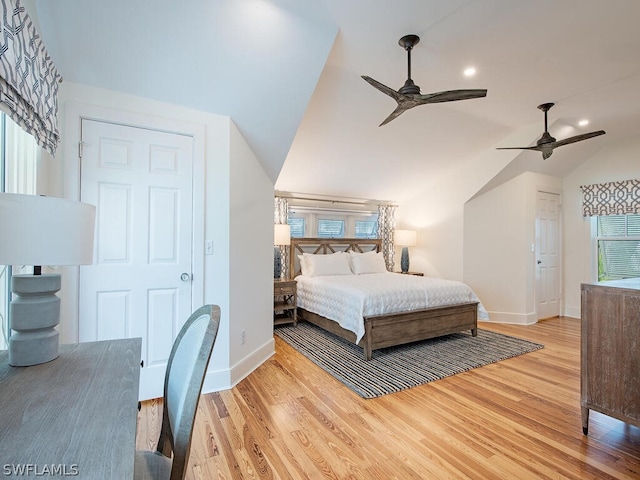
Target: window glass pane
x=366 y=228
x=612 y=226
x=18 y=165
x=633 y=225
x=296 y=224
x=618 y=259
x=328 y=228
x=21 y=159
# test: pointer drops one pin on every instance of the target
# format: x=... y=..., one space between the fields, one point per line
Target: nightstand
x=417 y=274
x=284 y=301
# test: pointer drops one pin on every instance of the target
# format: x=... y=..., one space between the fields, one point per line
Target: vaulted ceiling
x=288 y=73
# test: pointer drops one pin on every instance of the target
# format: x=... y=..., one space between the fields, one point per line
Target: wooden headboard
x=323 y=246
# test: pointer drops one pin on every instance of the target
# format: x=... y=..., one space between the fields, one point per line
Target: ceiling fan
x=546 y=143
x=409 y=95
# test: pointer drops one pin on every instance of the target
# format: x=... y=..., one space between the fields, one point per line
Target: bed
x=427 y=307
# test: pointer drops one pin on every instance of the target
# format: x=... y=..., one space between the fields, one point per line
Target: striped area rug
x=397 y=368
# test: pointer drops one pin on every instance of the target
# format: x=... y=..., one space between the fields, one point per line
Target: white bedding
x=346 y=299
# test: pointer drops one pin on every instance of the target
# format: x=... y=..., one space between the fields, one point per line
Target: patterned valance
x=28 y=79
x=613 y=198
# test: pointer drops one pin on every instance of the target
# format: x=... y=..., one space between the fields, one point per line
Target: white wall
x=437 y=218
x=499 y=230
x=437 y=213
x=495 y=239
x=228 y=163
x=619 y=161
x=250 y=261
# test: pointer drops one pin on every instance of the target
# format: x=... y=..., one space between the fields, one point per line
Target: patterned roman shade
x=612 y=198
x=28 y=79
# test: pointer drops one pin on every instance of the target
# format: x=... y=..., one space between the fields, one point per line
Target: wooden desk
x=75 y=414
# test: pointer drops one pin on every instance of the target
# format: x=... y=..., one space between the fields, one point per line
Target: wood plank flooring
x=515 y=419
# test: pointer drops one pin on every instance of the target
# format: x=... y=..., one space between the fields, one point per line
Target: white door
x=548 y=255
x=140 y=180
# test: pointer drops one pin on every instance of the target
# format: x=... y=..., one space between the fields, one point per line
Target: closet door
x=548 y=255
x=140 y=283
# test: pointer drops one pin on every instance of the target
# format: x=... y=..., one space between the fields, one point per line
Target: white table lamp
x=281 y=237
x=406 y=239
x=38 y=230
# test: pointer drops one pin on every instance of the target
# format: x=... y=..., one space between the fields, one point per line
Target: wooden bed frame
x=383 y=330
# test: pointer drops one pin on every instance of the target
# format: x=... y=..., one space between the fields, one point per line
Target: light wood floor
x=515 y=419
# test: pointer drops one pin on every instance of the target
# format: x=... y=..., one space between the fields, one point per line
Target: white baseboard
x=514 y=318
x=225 y=379
x=573 y=312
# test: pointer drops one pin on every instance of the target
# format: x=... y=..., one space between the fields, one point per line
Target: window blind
x=297 y=224
x=366 y=228
x=329 y=228
x=618 y=246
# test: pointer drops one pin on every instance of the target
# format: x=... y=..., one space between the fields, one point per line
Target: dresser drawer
x=284 y=289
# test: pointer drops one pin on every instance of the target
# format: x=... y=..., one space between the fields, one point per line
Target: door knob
x=539 y=262
x=185 y=277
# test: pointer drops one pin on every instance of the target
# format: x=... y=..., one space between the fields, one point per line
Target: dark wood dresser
x=610 y=350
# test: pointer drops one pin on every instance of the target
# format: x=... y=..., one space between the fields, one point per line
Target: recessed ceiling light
x=583 y=123
x=469 y=72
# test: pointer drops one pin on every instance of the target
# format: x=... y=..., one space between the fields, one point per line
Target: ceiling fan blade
x=545 y=150
x=518 y=148
x=451 y=96
x=577 y=138
x=399 y=110
x=383 y=88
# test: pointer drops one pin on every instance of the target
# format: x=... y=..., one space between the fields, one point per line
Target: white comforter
x=346 y=299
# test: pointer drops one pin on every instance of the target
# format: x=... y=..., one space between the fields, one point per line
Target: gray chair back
x=183 y=384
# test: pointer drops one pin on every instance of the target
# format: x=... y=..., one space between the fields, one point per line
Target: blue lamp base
x=277 y=262
x=404 y=260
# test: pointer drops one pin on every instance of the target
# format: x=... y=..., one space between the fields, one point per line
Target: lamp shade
x=405 y=238
x=38 y=230
x=281 y=234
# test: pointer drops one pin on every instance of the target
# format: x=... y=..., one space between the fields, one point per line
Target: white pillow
x=303 y=265
x=331 y=264
x=353 y=254
x=369 y=262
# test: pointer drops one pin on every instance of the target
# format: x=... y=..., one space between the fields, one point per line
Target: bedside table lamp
x=406 y=239
x=281 y=237
x=38 y=230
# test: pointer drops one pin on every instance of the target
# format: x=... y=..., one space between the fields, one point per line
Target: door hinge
x=80 y=144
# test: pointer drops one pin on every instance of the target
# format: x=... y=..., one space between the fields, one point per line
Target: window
x=366 y=228
x=296 y=224
x=330 y=228
x=618 y=240
x=313 y=222
x=19 y=155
